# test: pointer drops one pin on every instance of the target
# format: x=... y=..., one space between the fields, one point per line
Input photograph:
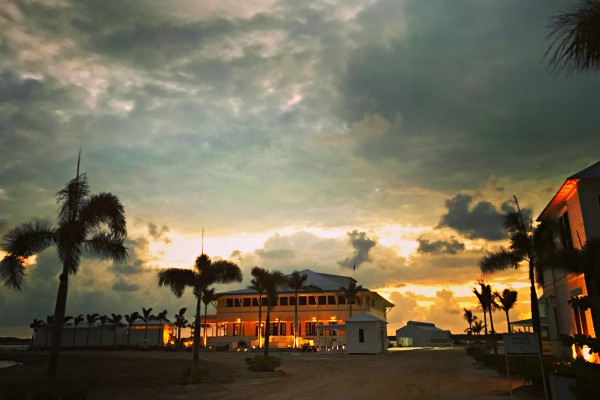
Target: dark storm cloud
x=481 y=220
x=452 y=246
x=362 y=245
x=122 y=286
x=158 y=233
x=135 y=263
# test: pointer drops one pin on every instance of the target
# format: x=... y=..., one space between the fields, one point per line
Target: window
x=331 y=300
x=302 y=300
x=282 y=330
x=229 y=303
x=322 y=300
x=236 y=329
x=565 y=231
x=312 y=301
x=341 y=300
x=247 y=301
x=238 y=302
x=292 y=301
x=262 y=330
x=332 y=332
x=283 y=301
x=274 y=329
x=311 y=329
x=255 y=302
x=361 y=335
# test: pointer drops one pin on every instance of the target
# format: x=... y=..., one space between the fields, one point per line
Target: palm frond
x=104 y=208
x=177 y=279
x=29 y=238
x=13 y=272
x=69 y=198
x=106 y=246
x=225 y=272
x=575 y=37
x=498 y=261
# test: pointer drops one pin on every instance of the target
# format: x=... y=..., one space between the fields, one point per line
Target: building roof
x=425 y=326
x=363 y=317
x=563 y=193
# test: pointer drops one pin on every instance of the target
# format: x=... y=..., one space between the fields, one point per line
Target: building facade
x=576 y=208
x=237 y=314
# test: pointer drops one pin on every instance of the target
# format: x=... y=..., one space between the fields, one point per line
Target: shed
x=422 y=334
x=366 y=334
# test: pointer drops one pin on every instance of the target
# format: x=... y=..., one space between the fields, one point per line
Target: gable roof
x=363 y=317
x=424 y=326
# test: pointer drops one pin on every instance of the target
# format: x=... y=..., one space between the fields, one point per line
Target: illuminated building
x=237 y=314
x=576 y=207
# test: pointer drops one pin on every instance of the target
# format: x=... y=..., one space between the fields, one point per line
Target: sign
x=520 y=343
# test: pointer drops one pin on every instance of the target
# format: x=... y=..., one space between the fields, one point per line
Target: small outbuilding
x=366 y=334
x=422 y=334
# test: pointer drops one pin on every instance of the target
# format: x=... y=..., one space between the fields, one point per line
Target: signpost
x=523 y=344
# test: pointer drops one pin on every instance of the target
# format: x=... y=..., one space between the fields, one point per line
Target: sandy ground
x=418 y=374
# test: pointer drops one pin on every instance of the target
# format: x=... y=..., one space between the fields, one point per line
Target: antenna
x=78 y=161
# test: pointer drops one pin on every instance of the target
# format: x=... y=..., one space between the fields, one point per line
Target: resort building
x=238 y=323
x=576 y=207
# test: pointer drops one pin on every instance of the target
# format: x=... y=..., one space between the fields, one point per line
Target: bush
x=189 y=377
x=262 y=364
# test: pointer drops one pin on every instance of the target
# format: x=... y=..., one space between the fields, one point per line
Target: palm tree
x=115 y=320
x=103 y=320
x=208 y=297
x=204 y=274
x=506 y=300
x=271 y=282
x=180 y=322
x=146 y=316
x=486 y=300
x=76 y=321
x=350 y=294
x=575 y=37
x=257 y=284
x=470 y=317
x=91 y=223
x=477 y=327
x=525 y=246
x=161 y=316
x=297 y=282
x=90 y=319
x=35 y=325
x=131 y=318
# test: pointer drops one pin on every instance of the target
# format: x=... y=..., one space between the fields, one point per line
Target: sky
x=383 y=134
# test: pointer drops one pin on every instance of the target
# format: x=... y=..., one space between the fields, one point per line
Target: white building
x=422 y=334
x=366 y=334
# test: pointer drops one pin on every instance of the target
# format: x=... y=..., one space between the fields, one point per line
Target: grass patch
x=262 y=364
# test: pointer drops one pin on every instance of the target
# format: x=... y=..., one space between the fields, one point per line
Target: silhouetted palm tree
x=350 y=294
x=257 y=283
x=115 y=320
x=146 y=316
x=35 y=325
x=575 y=38
x=524 y=247
x=470 y=318
x=297 y=282
x=204 y=274
x=90 y=319
x=180 y=322
x=477 y=327
x=486 y=300
x=92 y=223
x=272 y=281
x=131 y=318
x=208 y=296
x=506 y=301
x=103 y=320
x=76 y=321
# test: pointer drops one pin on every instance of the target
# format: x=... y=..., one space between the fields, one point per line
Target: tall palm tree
x=180 y=322
x=204 y=274
x=90 y=319
x=35 y=325
x=297 y=282
x=146 y=316
x=272 y=281
x=575 y=36
x=131 y=318
x=103 y=320
x=350 y=294
x=208 y=297
x=160 y=317
x=257 y=284
x=76 y=321
x=91 y=223
x=524 y=248
x=506 y=301
x=115 y=320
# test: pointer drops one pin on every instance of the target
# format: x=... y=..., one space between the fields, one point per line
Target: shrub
x=262 y=364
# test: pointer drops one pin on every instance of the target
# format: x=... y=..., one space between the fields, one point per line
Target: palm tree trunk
x=491 y=320
x=295 y=319
x=484 y=320
x=508 y=321
x=59 y=317
x=196 y=345
x=204 y=333
x=259 y=320
x=267 y=330
x=535 y=307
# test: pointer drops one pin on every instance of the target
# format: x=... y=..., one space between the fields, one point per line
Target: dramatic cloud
x=440 y=246
x=481 y=220
x=362 y=245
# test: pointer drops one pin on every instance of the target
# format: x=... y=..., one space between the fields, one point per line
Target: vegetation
x=263 y=364
x=91 y=223
x=297 y=282
x=256 y=284
x=350 y=294
x=506 y=301
x=204 y=274
x=208 y=297
x=180 y=322
x=271 y=282
x=486 y=301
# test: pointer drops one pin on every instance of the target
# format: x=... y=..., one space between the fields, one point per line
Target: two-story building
x=576 y=208
x=237 y=313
